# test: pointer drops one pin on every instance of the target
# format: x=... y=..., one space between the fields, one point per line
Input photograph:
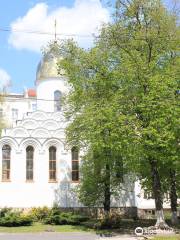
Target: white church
x=37 y=168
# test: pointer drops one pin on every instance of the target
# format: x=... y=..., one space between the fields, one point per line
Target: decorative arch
x=59 y=133
x=58 y=116
x=50 y=124
x=19 y=132
x=53 y=142
x=40 y=133
x=30 y=123
x=9 y=141
x=39 y=115
x=30 y=142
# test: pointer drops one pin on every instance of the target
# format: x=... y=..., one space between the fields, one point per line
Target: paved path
x=66 y=236
x=121 y=237
x=60 y=236
x=47 y=236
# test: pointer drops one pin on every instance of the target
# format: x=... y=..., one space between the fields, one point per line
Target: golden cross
x=55 y=34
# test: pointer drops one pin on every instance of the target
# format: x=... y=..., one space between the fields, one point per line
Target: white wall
x=143 y=203
x=45 y=92
x=23 y=105
x=40 y=192
x=40 y=130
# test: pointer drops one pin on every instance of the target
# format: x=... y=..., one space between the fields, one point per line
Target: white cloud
x=5 y=79
x=84 y=18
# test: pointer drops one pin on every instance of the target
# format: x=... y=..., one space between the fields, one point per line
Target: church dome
x=48 y=68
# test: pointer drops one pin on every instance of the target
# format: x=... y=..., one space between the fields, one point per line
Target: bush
x=53 y=216
x=10 y=218
x=77 y=219
x=91 y=223
x=58 y=218
x=39 y=214
x=69 y=218
x=4 y=211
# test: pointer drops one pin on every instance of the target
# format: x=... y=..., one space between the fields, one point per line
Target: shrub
x=39 y=214
x=77 y=219
x=53 y=216
x=12 y=218
x=69 y=218
x=4 y=211
x=26 y=220
x=91 y=223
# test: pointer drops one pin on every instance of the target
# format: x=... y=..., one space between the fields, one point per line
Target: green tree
x=99 y=125
x=146 y=37
x=123 y=95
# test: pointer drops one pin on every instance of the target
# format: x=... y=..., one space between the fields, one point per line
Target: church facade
x=37 y=168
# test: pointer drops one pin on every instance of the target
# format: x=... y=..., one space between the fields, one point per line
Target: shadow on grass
x=125 y=226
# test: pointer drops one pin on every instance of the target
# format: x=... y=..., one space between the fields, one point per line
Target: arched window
x=29 y=163
x=52 y=164
x=6 y=162
x=75 y=164
x=57 y=101
x=1 y=113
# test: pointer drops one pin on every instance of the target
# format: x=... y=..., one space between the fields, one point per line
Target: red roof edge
x=31 y=93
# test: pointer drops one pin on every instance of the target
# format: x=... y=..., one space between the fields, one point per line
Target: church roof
x=48 y=66
x=31 y=93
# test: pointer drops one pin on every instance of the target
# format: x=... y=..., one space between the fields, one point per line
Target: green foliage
x=167 y=238
x=40 y=213
x=99 y=126
x=123 y=103
x=146 y=37
x=4 y=210
x=57 y=218
x=53 y=217
x=150 y=86
x=10 y=218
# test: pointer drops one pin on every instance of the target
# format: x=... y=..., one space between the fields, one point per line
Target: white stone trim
x=9 y=141
x=30 y=141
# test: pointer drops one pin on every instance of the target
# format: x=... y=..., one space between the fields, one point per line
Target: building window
x=34 y=107
x=148 y=195
x=166 y=196
x=75 y=164
x=29 y=163
x=57 y=101
x=14 y=113
x=52 y=164
x=1 y=113
x=6 y=161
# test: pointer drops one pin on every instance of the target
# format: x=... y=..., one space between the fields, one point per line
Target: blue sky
x=20 y=52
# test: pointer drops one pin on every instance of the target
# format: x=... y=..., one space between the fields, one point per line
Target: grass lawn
x=38 y=227
x=126 y=226
x=167 y=238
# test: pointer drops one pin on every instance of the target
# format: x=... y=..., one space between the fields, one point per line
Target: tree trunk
x=173 y=197
x=156 y=187
x=107 y=192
